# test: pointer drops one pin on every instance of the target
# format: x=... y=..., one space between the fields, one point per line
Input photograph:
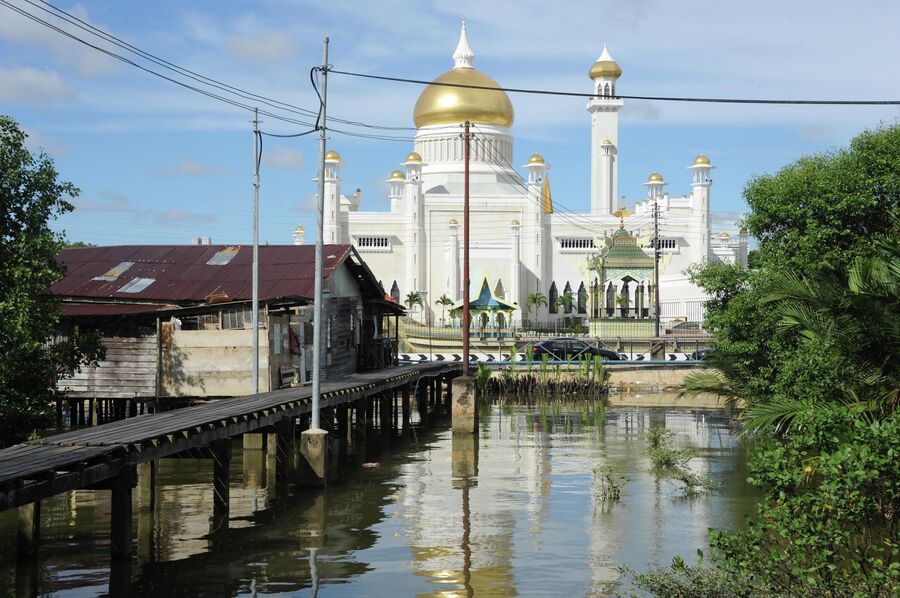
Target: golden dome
x=443 y=105
x=655 y=177
x=724 y=235
x=701 y=160
x=397 y=175
x=299 y=229
x=605 y=67
x=332 y=156
x=744 y=230
x=536 y=159
x=453 y=222
x=413 y=157
x=515 y=223
x=607 y=141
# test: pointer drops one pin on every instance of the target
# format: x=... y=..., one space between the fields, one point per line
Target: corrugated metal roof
x=182 y=273
x=108 y=309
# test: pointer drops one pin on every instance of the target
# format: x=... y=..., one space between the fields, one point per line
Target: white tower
x=515 y=267
x=453 y=261
x=655 y=184
x=700 y=199
x=604 y=109
x=298 y=235
x=414 y=201
x=331 y=222
x=396 y=182
x=536 y=241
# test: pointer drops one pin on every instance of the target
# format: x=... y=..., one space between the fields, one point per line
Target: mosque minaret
x=520 y=244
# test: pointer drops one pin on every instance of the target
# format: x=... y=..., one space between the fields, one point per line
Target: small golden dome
x=701 y=160
x=299 y=229
x=607 y=141
x=724 y=235
x=605 y=67
x=397 y=175
x=655 y=177
x=332 y=156
x=515 y=223
x=744 y=230
x=413 y=157
x=445 y=105
x=453 y=222
x=536 y=159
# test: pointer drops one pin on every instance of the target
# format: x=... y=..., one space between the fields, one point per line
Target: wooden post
x=405 y=408
x=146 y=473
x=29 y=532
x=448 y=400
x=422 y=403
x=73 y=414
x=284 y=440
x=221 y=453
x=121 y=533
x=342 y=432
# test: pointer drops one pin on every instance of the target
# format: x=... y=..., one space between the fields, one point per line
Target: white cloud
x=37 y=141
x=188 y=167
x=17 y=29
x=176 y=216
x=261 y=50
x=33 y=87
x=280 y=156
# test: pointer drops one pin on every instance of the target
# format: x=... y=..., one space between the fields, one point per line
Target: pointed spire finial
x=463 y=56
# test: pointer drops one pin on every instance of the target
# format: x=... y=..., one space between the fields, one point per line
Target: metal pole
x=320 y=251
x=656 y=266
x=465 y=334
x=254 y=319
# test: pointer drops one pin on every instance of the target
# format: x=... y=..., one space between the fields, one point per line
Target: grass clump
x=608 y=484
x=672 y=462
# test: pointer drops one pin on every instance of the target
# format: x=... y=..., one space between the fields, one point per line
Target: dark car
x=700 y=354
x=686 y=329
x=560 y=349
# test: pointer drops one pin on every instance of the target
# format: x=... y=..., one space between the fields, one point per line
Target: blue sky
x=159 y=164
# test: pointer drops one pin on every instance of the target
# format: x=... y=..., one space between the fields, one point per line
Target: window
x=238 y=318
x=373 y=243
x=114 y=272
x=579 y=244
x=136 y=285
x=664 y=244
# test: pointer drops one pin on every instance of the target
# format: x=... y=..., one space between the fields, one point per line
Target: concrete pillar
x=221 y=454
x=314 y=465
x=29 y=531
x=146 y=473
x=463 y=457
x=254 y=441
x=121 y=534
x=464 y=410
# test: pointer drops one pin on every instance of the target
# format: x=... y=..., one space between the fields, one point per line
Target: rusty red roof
x=190 y=273
x=73 y=309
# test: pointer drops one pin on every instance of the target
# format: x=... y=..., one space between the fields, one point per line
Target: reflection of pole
x=467 y=550
x=656 y=267
x=465 y=334
x=320 y=208
x=314 y=570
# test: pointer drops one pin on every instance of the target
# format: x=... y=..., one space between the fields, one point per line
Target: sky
x=157 y=163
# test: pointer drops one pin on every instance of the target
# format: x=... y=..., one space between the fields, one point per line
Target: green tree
x=566 y=301
x=444 y=301
x=31 y=196
x=534 y=301
x=77 y=245
x=414 y=298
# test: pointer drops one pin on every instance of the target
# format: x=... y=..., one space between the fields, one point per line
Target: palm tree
x=535 y=300
x=566 y=300
x=852 y=315
x=444 y=301
x=414 y=298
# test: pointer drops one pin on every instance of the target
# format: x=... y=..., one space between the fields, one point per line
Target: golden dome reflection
x=444 y=105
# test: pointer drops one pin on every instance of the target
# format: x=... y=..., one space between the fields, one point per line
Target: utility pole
x=466 y=315
x=320 y=212
x=656 y=267
x=254 y=319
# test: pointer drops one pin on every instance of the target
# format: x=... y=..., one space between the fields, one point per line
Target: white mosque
x=520 y=244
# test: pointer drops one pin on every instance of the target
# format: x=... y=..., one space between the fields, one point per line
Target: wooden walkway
x=90 y=456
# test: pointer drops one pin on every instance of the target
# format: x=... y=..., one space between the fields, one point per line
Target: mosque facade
x=519 y=242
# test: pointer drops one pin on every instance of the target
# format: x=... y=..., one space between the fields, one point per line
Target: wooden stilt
x=405 y=407
x=29 y=531
x=121 y=533
x=146 y=473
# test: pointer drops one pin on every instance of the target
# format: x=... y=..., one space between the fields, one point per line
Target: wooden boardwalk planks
x=146 y=437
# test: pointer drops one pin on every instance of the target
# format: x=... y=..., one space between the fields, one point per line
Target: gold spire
x=621 y=213
x=545 y=195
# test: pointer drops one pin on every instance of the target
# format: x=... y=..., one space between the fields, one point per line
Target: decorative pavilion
x=488 y=313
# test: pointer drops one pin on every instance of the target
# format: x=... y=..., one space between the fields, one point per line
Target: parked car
x=560 y=349
x=686 y=329
x=700 y=354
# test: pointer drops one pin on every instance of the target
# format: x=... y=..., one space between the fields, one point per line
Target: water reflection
x=505 y=512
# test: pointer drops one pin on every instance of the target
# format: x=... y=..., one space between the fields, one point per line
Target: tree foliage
x=31 y=196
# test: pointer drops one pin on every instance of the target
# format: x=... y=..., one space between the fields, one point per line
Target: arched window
x=553 y=297
x=582 y=299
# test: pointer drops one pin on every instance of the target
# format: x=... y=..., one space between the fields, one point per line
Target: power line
x=576 y=94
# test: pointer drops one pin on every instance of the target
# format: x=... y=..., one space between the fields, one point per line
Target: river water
x=509 y=512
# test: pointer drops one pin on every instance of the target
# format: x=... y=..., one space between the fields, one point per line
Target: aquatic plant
x=607 y=484
x=482 y=377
